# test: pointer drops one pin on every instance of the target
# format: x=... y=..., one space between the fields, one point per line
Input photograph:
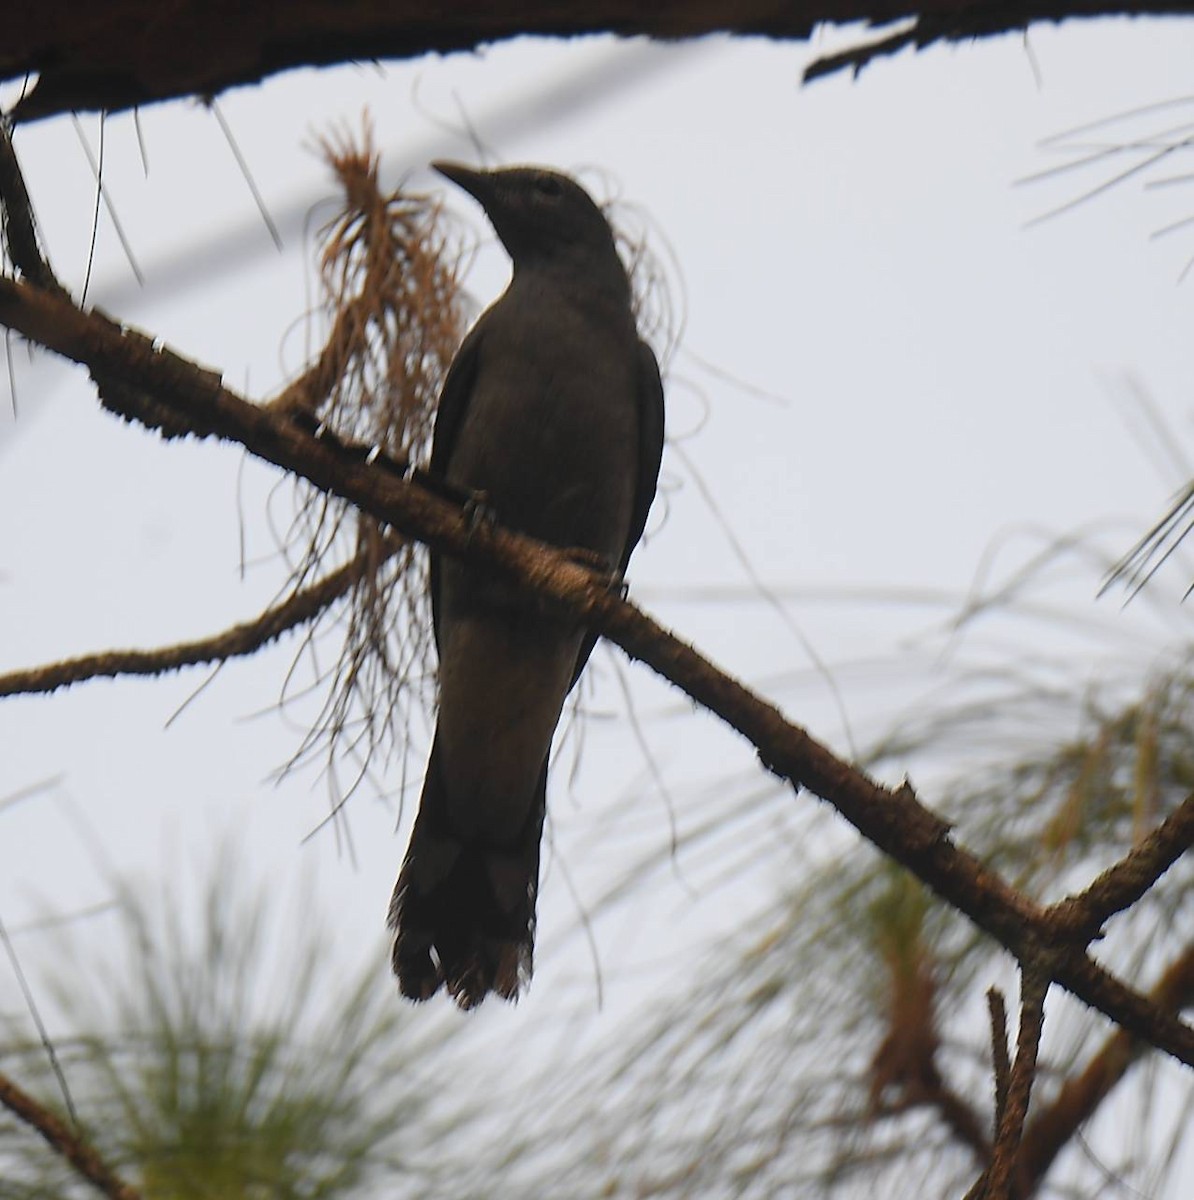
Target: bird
x=552 y=415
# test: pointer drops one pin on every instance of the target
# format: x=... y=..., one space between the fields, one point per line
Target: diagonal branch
x=1120 y=886
x=80 y=1154
x=854 y=58
x=157 y=381
x=1080 y=1096
x=243 y=639
x=1034 y=986
x=999 y=1181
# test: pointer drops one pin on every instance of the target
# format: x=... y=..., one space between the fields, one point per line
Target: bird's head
x=542 y=217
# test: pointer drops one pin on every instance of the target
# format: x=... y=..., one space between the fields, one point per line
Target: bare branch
x=1001 y=1182
x=1052 y=1128
x=854 y=58
x=997 y=1007
x=243 y=639
x=79 y=1153
x=1120 y=886
x=962 y=1120
x=158 y=381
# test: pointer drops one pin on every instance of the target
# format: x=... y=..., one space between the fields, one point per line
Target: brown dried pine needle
x=389 y=270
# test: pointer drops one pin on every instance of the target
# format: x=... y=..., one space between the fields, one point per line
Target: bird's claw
x=477 y=512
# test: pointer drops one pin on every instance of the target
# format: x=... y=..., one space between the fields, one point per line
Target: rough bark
x=125 y=53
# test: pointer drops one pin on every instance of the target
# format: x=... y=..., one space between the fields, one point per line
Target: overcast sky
x=893 y=384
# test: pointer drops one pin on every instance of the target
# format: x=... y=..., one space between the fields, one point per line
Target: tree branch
x=126 y=53
x=1000 y=1181
x=893 y=820
x=1120 y=886
x=1079 y=1097
x=238 y=641
x=960 y=1119
x=1000 y=1062
x=80 y=1154
x=854 y=58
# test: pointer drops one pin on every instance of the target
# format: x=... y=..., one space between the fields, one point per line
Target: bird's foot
x=478 y=512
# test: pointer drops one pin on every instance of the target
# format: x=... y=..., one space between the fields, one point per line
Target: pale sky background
x=931 y=383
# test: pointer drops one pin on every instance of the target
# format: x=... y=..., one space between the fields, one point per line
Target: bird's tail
x=463 y=910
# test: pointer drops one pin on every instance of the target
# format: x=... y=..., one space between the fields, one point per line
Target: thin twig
x=856 y=57
x=960 y=1118
x=239 y=640
x=1034 y=984
x=39 y=1024
x=80 y=1154
x=1121 y=885
x=997 y=1007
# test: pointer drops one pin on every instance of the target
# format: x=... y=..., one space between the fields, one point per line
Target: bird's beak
x=478 y=184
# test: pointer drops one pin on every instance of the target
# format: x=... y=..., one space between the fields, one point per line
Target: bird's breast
x=551 y=430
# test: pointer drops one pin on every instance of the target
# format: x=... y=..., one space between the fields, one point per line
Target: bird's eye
x=549 y=186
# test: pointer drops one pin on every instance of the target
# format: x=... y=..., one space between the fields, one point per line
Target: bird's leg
x=474 y=503
x=369 y=454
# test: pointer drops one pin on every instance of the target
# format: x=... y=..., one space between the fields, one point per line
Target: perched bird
x=552 y=414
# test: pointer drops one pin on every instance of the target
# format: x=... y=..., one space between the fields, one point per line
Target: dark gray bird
x=553 y=412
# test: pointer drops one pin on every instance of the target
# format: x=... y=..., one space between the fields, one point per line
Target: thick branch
x=124 y=53
x=245 y=638
x=892 y=819
x=82 y=1156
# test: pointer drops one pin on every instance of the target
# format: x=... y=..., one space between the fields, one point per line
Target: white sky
x=949 y=380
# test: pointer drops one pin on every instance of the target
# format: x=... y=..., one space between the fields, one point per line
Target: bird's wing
x=453 y=402
x=650 y=454
x=650 y=444
x=454 y=398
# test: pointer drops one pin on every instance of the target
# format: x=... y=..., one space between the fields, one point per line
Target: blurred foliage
x=212 y=1059
x=840 y=1041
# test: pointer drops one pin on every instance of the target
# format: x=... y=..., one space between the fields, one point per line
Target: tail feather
x=463 y=910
